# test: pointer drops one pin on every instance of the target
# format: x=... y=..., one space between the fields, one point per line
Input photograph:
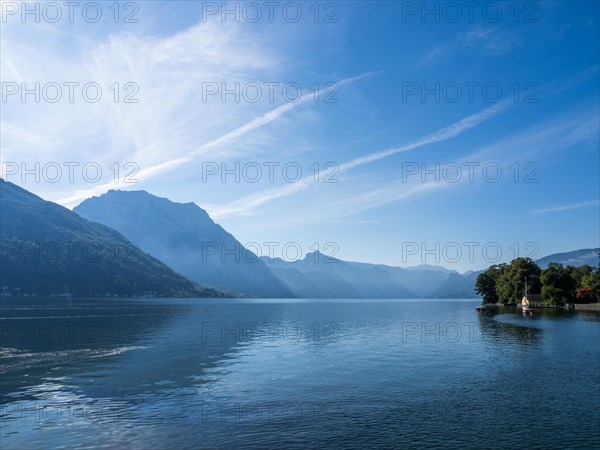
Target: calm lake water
x=296 y=374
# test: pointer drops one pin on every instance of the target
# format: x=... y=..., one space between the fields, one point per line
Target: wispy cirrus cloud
x=246 y=204
x=546 y=138
x=563 y=133
x=553 y=209
x=550 y=137
x=226 y=138
x=168 y=126
x=488 y=40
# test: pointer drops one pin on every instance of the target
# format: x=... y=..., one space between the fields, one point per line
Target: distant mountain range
x=319 y=276
x=46 y=249
x=184 y=237
x=164 y=241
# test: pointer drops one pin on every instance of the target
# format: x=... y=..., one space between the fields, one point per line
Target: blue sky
x=541 y=130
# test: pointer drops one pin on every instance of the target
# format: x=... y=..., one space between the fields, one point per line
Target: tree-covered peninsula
x=556 y=285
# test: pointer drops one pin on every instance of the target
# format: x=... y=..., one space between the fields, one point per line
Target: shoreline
x=578 y=306
x=587 y=307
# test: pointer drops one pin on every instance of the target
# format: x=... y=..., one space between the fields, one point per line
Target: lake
x=122 y=373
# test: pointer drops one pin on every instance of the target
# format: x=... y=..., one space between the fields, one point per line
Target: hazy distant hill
x=576 y=258
x=422 y=280
x=457 y=286
x=47 y=249
x=185 y=238
x=319 y=276
x=313 y=277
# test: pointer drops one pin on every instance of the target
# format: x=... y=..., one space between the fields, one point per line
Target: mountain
x=457 y=286
x=576 y=258
x=46 y=249
x=320 y=276
x=422 y=280
x=183 y=236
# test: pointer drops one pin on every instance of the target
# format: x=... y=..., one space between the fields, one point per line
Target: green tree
x=485 y=284
x=510 y=286
x=578 y=273
x=592 y=281
x=558 y=285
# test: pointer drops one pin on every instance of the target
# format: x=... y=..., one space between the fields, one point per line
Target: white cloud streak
x=562 y=208
x=549 y=137
x=228 y=137
x=245 y=205
x=158 y=132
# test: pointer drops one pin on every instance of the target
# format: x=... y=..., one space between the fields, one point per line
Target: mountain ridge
x=163 y=235
x=184 y=237
x=425 y=280
x=46 y=250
